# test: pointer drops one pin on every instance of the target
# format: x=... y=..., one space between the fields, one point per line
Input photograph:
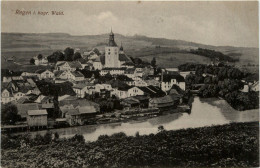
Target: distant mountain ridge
x=154 y=40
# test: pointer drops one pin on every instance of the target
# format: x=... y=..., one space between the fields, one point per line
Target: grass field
x=173 y=60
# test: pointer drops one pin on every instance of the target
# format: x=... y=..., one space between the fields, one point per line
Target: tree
x=95 y=50
x=9 y=114
x=68 y=53
x=56 y=56
x=40 y=56
x=161 y=128
x=153 y=62
x=138 y=61
x=77 y=56
x=32 y=61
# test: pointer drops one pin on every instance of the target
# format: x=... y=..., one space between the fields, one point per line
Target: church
x=115 y=57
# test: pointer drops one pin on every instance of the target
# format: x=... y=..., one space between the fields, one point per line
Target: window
x=108 y=53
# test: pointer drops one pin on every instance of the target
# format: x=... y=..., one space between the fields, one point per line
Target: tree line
x=212 y=54
x=220 y=81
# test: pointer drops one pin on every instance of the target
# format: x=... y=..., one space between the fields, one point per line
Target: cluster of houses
x=136 y=86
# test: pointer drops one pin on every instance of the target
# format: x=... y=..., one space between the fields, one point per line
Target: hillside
x=24 y=46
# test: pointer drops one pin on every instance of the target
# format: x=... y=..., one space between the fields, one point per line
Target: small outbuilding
x=37 y=118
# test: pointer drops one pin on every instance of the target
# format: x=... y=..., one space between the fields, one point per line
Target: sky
x=212 y=23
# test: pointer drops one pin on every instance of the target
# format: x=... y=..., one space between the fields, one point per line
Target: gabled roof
x=58 y=73
x=97 y=59
x=176 y=90
x=152 y=91
x=70 y=111
x=169 y=77
x=77 y=103
x=83 y=61
x=23 y=108
x=41 y=71
x=124 y=57
x=119 y=85
x=87 y=110
x=80 y=86
x=124 y=78
x=75 y=64
x=77 y=74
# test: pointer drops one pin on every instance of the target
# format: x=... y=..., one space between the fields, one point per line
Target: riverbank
x=234 y=144
x=107 y=118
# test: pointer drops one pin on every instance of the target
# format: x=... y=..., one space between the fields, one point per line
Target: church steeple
x=112 y=42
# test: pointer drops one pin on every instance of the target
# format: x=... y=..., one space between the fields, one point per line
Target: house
x=142 y=100
x=46 y=102
x=152 y=91
x=161 y=102
x=82 y=89
x=29 y=74
x=113 y=71
x=245 y=87
x=139 y=72
x=7 y=96
x=97 y=64
x=77 y=76
x=152 y=82
x=84 y=63
x=12 y=76
x=120 y=89
x=14 y=90
x=42 y=61
x=77 y=111
x=134 y=91
x=128 y=102
x=185 y=73
x=37 y=118
x=176 y=90
x=126 y=80
x=130 y=73
x=68 y=66
x=140 y=83
x=78 y=116
x=69 y=75
x=44 y=74
x=23 y=108
x=168 y=80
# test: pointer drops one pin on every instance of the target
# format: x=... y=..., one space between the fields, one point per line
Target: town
x=89 y=88
x=130 y=84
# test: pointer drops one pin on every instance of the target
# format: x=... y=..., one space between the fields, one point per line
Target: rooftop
x=37 y=112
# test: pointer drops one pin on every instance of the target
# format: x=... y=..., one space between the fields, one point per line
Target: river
x=205 y=112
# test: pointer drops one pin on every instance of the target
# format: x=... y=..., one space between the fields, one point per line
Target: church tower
x=112 y=53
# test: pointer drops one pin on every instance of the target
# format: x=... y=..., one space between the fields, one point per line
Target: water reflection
x=205 y=112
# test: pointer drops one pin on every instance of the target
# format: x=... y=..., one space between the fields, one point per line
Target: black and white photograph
x=129 y=84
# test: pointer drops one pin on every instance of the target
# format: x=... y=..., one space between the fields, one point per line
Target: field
x=25 y=46
x=231 y=145
x=173 y=60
